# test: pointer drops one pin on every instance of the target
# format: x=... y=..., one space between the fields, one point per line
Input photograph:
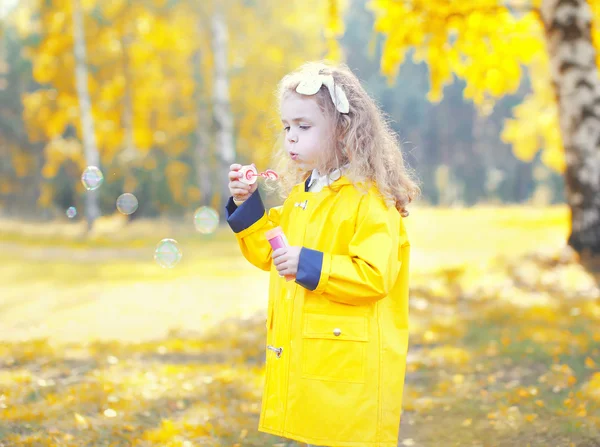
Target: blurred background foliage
x=153 y=77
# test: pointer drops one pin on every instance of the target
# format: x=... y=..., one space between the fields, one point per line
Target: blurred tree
x=576 y=84
x=20 y=160
x=485 y=42
x=452 y=133
x=226 y=153
x=155 y=108
x=92 y=210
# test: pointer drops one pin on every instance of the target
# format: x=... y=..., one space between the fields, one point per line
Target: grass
x=103 y=347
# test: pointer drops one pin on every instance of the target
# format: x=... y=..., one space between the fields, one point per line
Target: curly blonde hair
x=362 y=139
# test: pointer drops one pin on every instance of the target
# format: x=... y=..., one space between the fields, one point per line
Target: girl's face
x=307 y=130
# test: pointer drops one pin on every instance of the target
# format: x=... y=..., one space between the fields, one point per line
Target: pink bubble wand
x=250 y=174
x=275 y=236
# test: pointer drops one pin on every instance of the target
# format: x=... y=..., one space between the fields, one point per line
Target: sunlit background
x=128 y=315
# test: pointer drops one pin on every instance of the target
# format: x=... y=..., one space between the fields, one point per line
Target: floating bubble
x=167 y=253
x=127 y=203
x=71 y=212
x=206 y=220
x=92 y=178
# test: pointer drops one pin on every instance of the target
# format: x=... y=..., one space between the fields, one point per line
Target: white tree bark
x=130 y=153
x=577 y=85
x=92 y=158
x=225 y=148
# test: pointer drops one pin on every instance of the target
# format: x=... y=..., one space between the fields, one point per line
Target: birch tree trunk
x=92 y=210
x=576 y=82
x=222 y=108
x=130 y=155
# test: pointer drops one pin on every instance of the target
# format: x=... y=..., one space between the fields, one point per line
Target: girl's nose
x=292 y=138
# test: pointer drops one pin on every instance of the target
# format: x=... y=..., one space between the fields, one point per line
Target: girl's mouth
x=293 y=155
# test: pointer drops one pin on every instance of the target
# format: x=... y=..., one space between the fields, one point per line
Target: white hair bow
x=312 y=82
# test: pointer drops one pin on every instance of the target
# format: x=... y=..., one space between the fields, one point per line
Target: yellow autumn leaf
x=526 y=147
x=88 y=5
x=142 y=137
x=57 y=123
x=530 y=417
x=590 y=363
x=164 y=433
x=335 y=23
x=554 y=158
x=591 y=389
x=82 y=422
x=45 y=68
x=449 y=354
x=112 y=8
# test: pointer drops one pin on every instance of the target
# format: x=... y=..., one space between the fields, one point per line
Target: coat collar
x=334 y=176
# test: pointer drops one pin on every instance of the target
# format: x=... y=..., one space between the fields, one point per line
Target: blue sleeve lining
x=310 y=265
x=247 y=214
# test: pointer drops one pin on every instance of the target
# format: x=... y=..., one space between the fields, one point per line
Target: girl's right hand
x=239 y=190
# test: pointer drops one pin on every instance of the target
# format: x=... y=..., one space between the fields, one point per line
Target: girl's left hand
x=286 y=260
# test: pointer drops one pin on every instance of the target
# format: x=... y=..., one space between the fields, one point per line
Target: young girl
x=337 y=335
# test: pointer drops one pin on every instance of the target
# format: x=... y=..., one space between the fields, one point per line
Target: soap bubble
x=167 y=253
x=71 y=212
x=206 y=220
x=92 y=178
x=127 y=203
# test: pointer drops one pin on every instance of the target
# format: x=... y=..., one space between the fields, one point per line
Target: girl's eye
x=304 y=127
x=287 y=128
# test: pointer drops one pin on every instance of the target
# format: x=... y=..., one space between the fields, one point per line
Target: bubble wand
x=250 y=174
x=275 y=236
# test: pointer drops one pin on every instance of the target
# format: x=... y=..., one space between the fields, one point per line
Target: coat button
x=337 y=332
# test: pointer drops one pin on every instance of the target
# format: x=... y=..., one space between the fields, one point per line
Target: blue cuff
x=247 y=214
x=310 y=265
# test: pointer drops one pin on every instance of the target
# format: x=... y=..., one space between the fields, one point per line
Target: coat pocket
x=334 y=347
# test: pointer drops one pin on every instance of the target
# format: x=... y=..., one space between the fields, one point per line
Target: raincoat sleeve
x=371 y=267
x=249 y=222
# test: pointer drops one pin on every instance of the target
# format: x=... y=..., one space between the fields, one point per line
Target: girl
x=337 y=336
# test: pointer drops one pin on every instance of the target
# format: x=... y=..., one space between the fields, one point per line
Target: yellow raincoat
x=337 y=336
